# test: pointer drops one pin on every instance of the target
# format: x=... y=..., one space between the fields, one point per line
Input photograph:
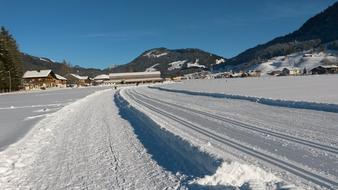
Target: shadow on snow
x=170 y=151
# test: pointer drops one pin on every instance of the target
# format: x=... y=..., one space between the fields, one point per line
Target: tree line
x=11 y=66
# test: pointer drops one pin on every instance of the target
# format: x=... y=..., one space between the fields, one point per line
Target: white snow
x=152 y=54
x=152 y=68
x=253 y=139
x=37 y=74
x=101 y=77
x=15 y=107
x=176 y=65
x=85 y=145
x=196 y=64
x=312 y=88
x=237 y=174
x=197 y=134
x=43 y=59
x=219 y=61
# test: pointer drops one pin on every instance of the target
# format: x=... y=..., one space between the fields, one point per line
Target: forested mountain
x=171 y=62
x=319 y=32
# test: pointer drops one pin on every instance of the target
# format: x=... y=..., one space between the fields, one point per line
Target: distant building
x=78 y=80
x=255 y=73
x=62 y=81
x=135 y=77
x=325 y=69
x=42 y=79
x=101 y=79
x=275 y=73
x=293 y=71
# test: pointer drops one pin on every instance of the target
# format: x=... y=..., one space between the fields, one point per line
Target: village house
x=255 y=73
x=41 y=79
x=325 y=69
x=61 y=82
x=74 y=79
x=293 y=71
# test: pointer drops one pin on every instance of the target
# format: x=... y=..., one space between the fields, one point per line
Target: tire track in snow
x=290 y=167
x=298 y=140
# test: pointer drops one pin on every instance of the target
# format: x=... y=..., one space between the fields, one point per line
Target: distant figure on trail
x=114 y=86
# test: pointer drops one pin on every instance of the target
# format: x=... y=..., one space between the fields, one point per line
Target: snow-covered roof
x=80 y=77
x=329 y=66
x=60 y=77
x=101 y=77
x=37 y=74
x=143 y=79
x=134 y=74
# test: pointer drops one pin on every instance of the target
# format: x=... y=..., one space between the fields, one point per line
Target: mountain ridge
x=320 y=31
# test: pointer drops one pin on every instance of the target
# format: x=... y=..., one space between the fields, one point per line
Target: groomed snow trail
x=300 y=146
x=85 y=145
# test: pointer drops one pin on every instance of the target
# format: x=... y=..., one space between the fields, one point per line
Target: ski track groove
x=287 y=137
x=292 y=168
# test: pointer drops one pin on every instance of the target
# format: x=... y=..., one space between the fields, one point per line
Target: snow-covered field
x=311 y=88
x=183 y=136
x=20 y=111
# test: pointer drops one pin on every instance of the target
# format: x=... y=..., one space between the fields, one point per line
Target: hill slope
x=319 y=32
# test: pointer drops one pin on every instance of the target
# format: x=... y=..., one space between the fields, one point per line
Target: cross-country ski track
x=147 y=138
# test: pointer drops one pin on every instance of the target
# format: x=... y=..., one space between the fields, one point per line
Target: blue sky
x=99 y=33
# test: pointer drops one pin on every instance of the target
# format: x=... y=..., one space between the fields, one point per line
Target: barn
x=135 y=77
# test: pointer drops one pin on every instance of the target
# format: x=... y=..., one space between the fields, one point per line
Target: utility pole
x=10 y=81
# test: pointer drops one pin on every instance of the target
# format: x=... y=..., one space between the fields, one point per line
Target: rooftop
x=37 y=74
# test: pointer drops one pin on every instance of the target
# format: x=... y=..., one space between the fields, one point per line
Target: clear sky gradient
x=99 y=33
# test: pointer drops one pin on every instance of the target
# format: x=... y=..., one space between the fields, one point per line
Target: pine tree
x=11 y=68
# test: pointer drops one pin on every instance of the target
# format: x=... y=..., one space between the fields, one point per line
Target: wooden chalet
x=40 y=79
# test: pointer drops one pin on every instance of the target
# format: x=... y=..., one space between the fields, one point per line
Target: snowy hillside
x=298 y=60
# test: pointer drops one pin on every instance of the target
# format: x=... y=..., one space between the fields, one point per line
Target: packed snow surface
x=19 y=112
x=85 y=145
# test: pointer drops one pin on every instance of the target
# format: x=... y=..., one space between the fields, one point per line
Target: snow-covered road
x=299 y=146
